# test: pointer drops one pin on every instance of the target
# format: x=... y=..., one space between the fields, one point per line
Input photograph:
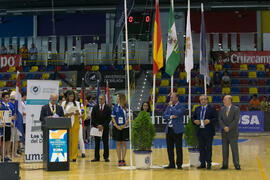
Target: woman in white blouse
x=72 y=110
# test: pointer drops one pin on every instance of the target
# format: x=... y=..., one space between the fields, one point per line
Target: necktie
x=227 y=112
x=53 y=107
x=202 y=115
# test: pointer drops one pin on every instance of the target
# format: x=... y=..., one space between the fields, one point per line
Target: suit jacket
x=231 y=120
x=46 y=111
x=103 y=118
x=210 y=114
x=179 y=111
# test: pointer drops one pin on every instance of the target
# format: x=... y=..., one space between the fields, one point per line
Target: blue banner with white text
x=251 y=121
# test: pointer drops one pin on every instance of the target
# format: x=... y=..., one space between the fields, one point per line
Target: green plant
x=190 y=135
x=143 y=132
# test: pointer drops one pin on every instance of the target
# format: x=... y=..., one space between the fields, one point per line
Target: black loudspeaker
x=9 y=170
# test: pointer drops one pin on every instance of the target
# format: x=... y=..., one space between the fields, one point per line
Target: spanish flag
x=157 y=43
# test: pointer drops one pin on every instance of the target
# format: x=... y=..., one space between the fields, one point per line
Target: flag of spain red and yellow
x=157 y=43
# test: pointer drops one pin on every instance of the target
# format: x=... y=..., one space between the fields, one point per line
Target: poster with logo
x=58 y=145
x=251 y=121
x=9 y=60
x=38 y=94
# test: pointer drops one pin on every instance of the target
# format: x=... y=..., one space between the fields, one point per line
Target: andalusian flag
x=189 y=47
x=157 y=43
x=173 y=56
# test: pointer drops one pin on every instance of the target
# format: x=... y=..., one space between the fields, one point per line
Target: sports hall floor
x=254 y=159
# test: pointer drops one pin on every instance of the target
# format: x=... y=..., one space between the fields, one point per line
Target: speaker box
x=9 y=170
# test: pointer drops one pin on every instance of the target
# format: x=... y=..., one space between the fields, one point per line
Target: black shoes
x=208 y=166
x=95 y=160
x=73 y=160
x=107 y=160
x=201 y=167
x=179 y=168
x=224 y=167
x=83 y=155
x=169 y=167
x=237 y=167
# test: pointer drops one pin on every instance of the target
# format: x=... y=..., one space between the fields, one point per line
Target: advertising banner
x=38 y=94
x=243 y=57
x=10 y=60
x=251 y=121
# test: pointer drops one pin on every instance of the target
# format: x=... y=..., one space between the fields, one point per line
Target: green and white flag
x=172 y=56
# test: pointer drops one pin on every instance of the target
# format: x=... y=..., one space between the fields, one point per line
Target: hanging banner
x=241 y=57
x=38 y=94
x=9 y=60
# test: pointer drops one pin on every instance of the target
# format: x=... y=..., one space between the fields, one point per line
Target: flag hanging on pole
x=172 y=56
x=18 y=106
x=204 y=68
x=108 y=98
x=157 y=43
x=189 y=48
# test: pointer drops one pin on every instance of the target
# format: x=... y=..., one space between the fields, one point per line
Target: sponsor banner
x=10 y=60
x=58 y=146
x=251 y=121
x=38 y=94
x=241 y=57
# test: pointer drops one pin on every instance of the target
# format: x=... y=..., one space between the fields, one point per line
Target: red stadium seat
x=209 y=90
x=244 y=107
x=262 y=82
x=267 y=74
x=235 y=74
x=244 y=82
x=196 y=99
x=158 y=82
x=235 y=66
x=244 y=90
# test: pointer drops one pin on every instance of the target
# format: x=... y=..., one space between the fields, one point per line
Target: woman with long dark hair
x=72 y=110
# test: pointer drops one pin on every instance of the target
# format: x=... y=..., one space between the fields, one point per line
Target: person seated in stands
x=11 y=50
x=24 y=54
x=254 y=103
x=216 y=79
x=264 y=104
x=225 y=80
x=198 y=82
x=33 y=54
x=3 y=50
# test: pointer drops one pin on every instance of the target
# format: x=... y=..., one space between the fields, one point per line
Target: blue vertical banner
x=119 y=20
x=58 y=145
x=251 y=121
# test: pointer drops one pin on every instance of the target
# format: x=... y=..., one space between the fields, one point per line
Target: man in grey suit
x=229 y=117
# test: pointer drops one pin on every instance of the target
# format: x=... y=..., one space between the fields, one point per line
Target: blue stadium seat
x=1 y=76
x=262 y=90
x=235 y=90
x=252 y=67
x=235 y=81
x=163 y=90
x=181 y=99
x=216 y=99
x=199 y=90
x=244 y=99
x=217 y=90
x=193 y=74
x=184 y=82
x=261 y=74
x=268 y=82
x=165 y=76
x=103 y=68
x=50 y=68
x=227 y=66
x=243 y=74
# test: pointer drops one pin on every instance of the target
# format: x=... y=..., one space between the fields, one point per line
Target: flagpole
x=189 y=77
x=205 y=87
x=154 y=93
x=172 y=75
x=127 y=63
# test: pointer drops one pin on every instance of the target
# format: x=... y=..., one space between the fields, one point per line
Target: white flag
x=189 y=47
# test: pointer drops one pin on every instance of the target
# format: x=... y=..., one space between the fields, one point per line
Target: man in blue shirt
x=174 y=131
x=7 y=135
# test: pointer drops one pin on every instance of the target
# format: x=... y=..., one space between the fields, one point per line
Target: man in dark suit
x=229 y=117
x=204 y=118
x=52 y=109
x=101 y=117
x=174 y=131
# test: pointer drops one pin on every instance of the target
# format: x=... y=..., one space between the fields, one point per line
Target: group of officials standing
x=204 y=118
x=101 y=116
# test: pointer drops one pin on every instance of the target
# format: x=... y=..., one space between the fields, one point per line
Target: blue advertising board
x=251 y=121
x=58 y=146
